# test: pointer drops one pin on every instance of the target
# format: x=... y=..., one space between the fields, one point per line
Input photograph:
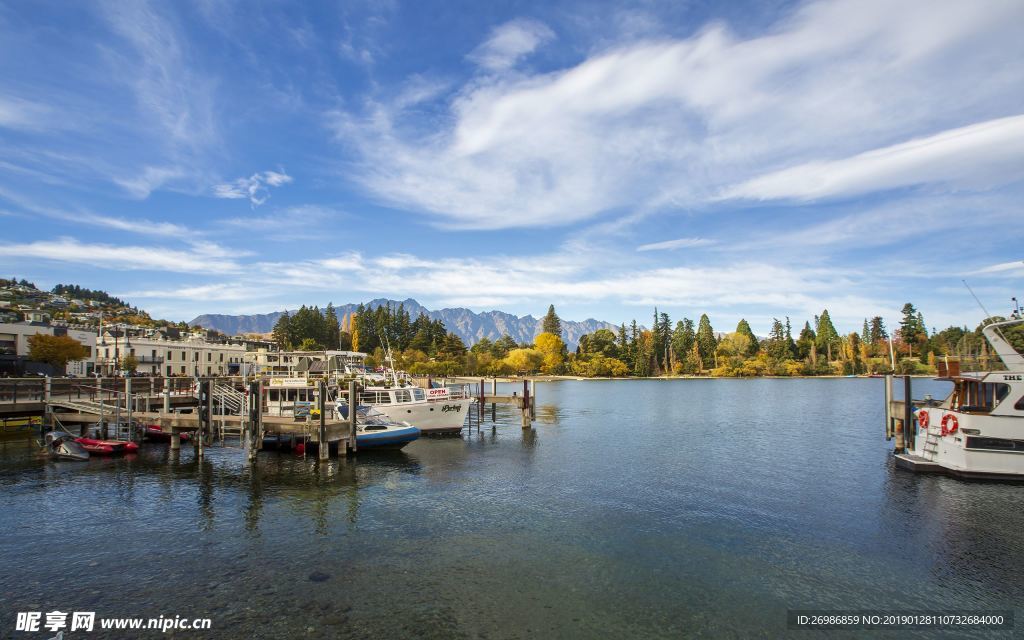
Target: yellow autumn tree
x=552 y=350
x=524 y=360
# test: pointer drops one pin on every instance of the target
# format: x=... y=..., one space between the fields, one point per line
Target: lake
x=633 y=509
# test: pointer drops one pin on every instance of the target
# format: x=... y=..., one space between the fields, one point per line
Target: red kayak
x=107 y=447
x=154 y=432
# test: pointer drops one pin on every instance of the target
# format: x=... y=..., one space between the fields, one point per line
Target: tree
x=827 y=336
x=552 y=323
x=552 y=349
x=706 y=342
x=282 y=332
x=524 y=360
x=503 y=345
x=805 y=343
x=129 y=363
x=876 y=330
x=57 y=351
x=332 y=328
x=777 y=346
x=743 y=328
x=683 y=337
x=601 y=341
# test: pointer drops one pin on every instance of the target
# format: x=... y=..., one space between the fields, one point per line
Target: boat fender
x=949 y=424
x=922 y=418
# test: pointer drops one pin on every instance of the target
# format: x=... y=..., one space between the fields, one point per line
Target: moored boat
x=375 y=431
x=433 y=411
x=107 y=447
x=61 y=444
x=978 y=430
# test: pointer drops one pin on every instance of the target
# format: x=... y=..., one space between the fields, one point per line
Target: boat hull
x=442 y=416
x=391 y=438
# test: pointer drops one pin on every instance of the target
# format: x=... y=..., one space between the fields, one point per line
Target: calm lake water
x=633 y=509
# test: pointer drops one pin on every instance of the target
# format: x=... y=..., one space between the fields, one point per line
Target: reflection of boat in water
x=978 y=430
x=61 y=444
x=153 y=432
x=375 y=431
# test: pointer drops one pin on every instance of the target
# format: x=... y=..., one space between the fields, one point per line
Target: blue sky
x=741 y=159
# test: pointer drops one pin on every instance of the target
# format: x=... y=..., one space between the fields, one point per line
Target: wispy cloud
x=509 y=43
x=677 y=122
x=679 y=243
x=1015 y=268
x=984 y=154
x=206 y=258
x=255 y=188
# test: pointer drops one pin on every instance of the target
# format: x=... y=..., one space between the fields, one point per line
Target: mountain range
x=469 y=326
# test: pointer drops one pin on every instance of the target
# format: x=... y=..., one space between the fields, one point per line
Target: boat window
x=417 y=394
x=402 y=395
x=1020 y=404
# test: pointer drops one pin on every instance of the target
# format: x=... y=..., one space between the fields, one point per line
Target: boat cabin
x=392 y=396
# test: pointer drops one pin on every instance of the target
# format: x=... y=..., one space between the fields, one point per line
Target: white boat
x=432 y=411
x=978 y=430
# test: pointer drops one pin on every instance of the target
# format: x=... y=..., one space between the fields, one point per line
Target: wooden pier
x=202 y=407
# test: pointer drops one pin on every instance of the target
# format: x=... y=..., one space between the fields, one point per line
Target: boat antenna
x=988 y=316
x=391 y=359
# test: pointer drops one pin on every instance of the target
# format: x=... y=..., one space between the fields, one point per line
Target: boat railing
x=953 y=366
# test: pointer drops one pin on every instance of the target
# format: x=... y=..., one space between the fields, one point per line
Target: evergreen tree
x=332 y=328
x=282 y=332
x=876 y=330
x=683 y=338
x=827 y=336
x=743 y=328
x=805 y=343
x=552 y=323
x=865 y=334
x=706 y=342
x=776 y=346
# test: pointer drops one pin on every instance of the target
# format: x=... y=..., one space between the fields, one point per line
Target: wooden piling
x=908 y=414
x=323 y=448
x=353 y=402
x=128 y=404
x=527 y=422
x=255 y=413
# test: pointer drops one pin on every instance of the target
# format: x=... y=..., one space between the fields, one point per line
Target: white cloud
x=255 y=188
x=679 y=243
x=206 y=258
x=674 y=123
x=509 y=43
x=983 y=154
x=1015 y=268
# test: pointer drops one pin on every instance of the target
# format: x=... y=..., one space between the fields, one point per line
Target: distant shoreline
x=507 y=380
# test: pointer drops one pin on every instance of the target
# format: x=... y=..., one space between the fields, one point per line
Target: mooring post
x=322 y=435
x=533 y=398
x=908 y=414
x=480 y=408
x=888 y=407
x=47 y=388
x=352 y=404
x=129 y=403
x=900 y=442
x=525 y=408
x=255 y=412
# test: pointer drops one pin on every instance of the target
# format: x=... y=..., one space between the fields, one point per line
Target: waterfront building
x=166 y=352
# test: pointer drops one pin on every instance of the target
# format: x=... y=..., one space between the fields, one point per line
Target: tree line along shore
x=423 y=346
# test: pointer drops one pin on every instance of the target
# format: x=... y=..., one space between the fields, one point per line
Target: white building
x=158 y=355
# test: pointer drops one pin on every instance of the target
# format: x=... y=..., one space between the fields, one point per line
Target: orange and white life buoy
x=949 y=424
x=922 y=418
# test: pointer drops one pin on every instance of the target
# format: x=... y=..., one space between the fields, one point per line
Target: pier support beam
x=324 y=449
x=175 y=441
x=353 y=402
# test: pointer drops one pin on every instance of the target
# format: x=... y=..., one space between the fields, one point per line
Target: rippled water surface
x=632 y=509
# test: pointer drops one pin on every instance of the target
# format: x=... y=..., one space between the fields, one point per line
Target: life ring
x=922 y=418
x=949 y=424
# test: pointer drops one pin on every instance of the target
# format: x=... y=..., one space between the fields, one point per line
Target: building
x=14 y=345
x=162 y=352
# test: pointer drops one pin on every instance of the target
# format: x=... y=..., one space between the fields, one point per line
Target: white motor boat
x=978 y=430
x=432 y=411
x=62 y=444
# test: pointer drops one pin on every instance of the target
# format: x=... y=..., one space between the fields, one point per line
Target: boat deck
x=917 y=463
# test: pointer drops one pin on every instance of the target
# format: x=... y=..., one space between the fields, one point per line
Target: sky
x=744 y=160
